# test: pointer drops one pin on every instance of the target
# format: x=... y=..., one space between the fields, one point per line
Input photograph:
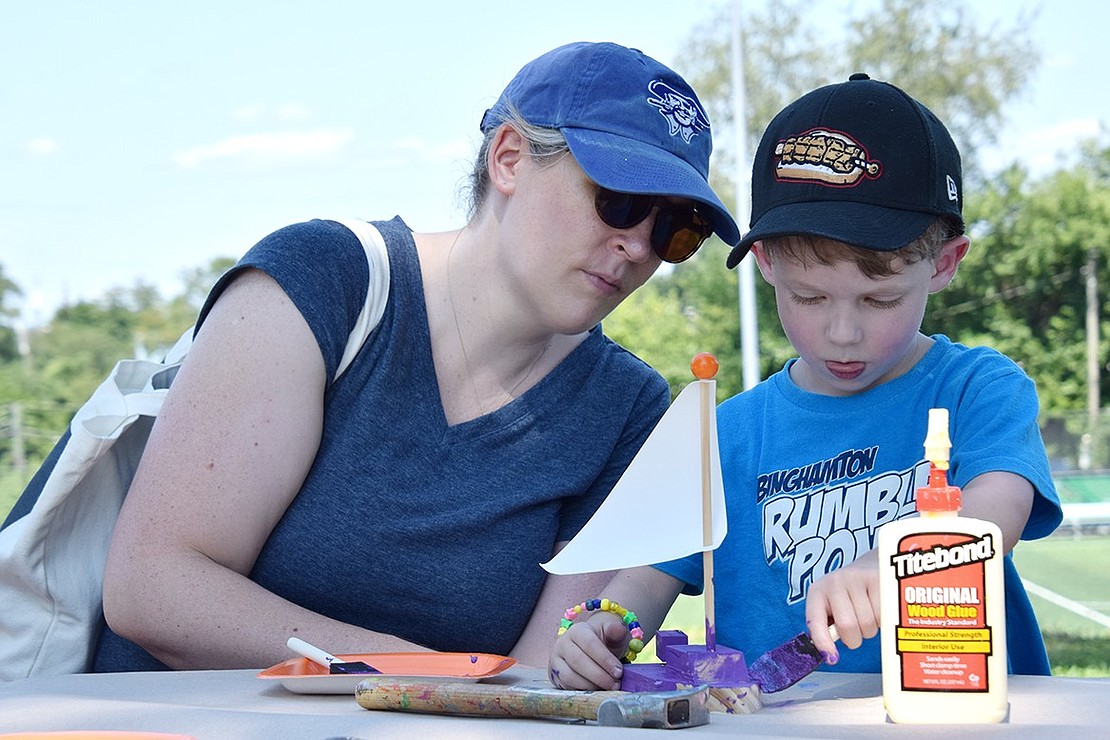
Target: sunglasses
x=678 y=231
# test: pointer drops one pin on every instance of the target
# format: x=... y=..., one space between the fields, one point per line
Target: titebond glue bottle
x=943 y=614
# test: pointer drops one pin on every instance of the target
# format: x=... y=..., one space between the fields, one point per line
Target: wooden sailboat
x=675 y=483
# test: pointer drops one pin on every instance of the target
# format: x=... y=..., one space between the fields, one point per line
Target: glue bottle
x=943 y=614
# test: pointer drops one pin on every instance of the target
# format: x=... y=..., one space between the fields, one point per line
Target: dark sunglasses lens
x=677 y=234
x=622 y=210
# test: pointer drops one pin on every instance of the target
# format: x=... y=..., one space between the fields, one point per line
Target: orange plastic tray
x=306 y=677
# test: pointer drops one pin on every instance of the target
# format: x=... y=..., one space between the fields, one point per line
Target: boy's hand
x=847 y=598
x=585 y=656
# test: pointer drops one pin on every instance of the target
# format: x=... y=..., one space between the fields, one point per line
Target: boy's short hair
x=859 y=162
x=805 y=249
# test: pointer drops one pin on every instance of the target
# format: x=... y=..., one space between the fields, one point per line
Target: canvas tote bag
x=54 y=545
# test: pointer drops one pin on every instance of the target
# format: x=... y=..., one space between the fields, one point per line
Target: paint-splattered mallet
x=663 y=709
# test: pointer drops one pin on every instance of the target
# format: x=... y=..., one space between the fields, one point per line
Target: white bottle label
x=942 y=636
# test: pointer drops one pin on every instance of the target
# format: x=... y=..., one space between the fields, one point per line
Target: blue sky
x=140 y=139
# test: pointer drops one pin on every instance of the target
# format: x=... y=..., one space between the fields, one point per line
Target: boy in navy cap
x=856 y=220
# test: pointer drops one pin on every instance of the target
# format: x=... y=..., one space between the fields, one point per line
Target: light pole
x=749 y=331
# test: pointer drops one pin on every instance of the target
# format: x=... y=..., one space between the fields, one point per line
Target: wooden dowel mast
x=708 y=399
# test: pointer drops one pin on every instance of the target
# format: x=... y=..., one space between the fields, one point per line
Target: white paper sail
x=654 y=513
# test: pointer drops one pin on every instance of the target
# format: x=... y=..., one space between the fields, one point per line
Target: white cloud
x=283 y=112
x=278 y=146
x=1045 y=149
x=448 y=151
x=248 y=112
x=43 y=146
x=1074 y=130
x=1061 y=60
x=293 y=112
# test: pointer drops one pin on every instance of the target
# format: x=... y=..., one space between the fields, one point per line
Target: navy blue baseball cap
x=633 y=124
x=859 y=162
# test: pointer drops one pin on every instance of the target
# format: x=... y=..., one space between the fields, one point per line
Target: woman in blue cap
x=407 y=504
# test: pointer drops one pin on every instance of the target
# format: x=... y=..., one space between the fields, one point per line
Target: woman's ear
x=506 y=152
x=947 y=262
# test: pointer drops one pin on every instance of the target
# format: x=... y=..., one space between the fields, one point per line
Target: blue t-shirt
x=810 y=478
x=406 y=525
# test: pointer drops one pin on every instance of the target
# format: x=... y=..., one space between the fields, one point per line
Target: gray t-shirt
x=406 y=525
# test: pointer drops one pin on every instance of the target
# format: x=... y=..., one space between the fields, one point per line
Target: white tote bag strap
x=134 y=388
x=377 y=292
x=52 y=558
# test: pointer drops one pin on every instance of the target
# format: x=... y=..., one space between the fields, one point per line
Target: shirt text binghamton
x=847 y=464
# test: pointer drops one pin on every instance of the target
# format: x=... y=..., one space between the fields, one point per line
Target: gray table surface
x=212 y=705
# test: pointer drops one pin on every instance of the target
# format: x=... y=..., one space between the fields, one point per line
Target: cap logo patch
x=684 y=115
x=823 y=156
x=953 y=191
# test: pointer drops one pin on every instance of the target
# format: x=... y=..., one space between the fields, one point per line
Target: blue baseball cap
x=633 y=125
x=860 y=162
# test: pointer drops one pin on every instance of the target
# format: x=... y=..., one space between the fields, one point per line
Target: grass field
x=1074 y=567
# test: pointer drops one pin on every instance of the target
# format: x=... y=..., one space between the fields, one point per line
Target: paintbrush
x=782 y=667
x=332 y=663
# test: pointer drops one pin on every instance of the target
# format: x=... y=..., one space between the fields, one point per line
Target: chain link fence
x=1077 y=442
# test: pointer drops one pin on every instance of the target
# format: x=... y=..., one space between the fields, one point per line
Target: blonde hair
x=804 y=249
x=543 y=143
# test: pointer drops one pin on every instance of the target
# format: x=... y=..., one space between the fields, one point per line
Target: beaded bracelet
x=635 y=644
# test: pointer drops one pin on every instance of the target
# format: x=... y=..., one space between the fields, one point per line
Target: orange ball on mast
x=704 y=366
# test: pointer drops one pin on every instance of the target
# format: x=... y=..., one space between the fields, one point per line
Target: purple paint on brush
x=787 y=664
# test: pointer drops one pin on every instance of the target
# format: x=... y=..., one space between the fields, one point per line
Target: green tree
x=9 y=341
x=75 y=351
x=941 y=53
x=936 y=50
x=1022 y=288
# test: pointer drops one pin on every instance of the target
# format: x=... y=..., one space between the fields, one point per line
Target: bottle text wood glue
x=943 y=613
